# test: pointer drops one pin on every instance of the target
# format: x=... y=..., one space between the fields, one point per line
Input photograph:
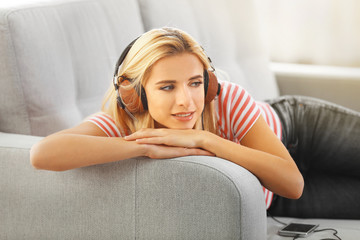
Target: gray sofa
x=56 y=61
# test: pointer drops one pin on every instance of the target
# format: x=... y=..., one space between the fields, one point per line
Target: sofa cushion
x=229 y=32
x=57 y=60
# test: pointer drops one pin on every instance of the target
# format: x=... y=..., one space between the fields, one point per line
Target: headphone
x=134 y=100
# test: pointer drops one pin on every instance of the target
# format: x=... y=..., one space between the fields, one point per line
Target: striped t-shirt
x=236 y=113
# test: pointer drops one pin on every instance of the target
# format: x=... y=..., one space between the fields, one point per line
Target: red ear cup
x=130 y=97
x=213 y=88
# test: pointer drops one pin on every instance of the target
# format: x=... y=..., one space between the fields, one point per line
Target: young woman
x=165 y=102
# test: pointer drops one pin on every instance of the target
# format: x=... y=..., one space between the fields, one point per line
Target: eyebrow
x=174 y=81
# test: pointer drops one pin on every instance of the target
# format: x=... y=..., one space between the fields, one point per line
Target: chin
x=186 y=126
x=175 y=126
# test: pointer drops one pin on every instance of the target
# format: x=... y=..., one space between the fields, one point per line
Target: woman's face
x=175 y=91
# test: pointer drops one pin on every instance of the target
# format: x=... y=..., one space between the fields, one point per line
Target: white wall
x=324 y=32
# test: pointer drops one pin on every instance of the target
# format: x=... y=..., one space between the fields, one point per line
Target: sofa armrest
x=199 y=198
x=17 y=141
x=182 y=198
x=340 y=85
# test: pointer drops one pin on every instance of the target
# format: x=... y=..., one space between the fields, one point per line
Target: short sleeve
x=236 y=111
x=271 y=118
x=106 y=124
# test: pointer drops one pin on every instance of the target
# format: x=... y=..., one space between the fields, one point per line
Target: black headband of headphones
x=123 y=56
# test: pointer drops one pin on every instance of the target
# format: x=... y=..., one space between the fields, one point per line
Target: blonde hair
x=145 y=52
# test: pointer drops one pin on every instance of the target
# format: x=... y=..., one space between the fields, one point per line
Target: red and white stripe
x=107 y=124
x=236 y=111
x=268 y=197
x=271 y=118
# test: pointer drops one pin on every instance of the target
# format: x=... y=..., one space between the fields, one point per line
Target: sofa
x=56 y=62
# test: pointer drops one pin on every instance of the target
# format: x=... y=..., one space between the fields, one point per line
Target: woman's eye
x=196 y=84
x=167 y=87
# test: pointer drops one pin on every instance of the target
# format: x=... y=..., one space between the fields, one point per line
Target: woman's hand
x=166 y=143
x=161 y=151
x=187 y=138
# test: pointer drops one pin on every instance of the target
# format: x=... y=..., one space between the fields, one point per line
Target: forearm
x=61 y=152
x=275 y=173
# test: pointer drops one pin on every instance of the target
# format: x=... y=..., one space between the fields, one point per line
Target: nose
x=183 y=96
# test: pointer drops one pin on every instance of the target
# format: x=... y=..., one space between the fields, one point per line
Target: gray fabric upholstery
x=182 y=198
x=57 y=60
x=89 y=203
x=202 y=197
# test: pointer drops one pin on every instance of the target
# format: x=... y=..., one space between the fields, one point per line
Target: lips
x=183 y=116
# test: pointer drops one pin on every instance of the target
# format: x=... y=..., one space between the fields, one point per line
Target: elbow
x=39 y=159
x=297 y=189
x=35 y=157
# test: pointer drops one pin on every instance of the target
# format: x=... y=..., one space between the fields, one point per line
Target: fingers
x=151 y=140
x=157 y=136
x=142 y=133
x=197 y=151
x=170 y=137
x=158 y=151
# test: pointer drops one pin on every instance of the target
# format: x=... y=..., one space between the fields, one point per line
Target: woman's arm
x=86 y=145
x=260 y=152
x=83 y=145
x=263 y=154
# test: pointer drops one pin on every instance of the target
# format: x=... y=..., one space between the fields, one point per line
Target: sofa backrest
x=228 y=30
x=57 y=56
